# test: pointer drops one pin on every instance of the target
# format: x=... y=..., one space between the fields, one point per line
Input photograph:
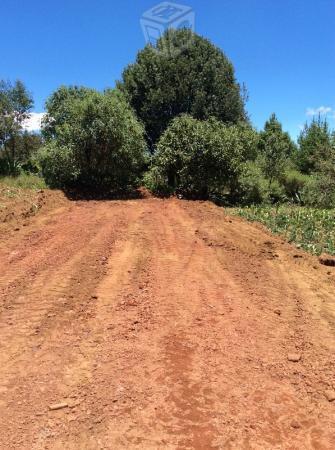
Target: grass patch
x=23 y=181
x=310 y=229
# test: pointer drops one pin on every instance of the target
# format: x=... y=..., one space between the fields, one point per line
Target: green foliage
x=99 y=141
x=57 y=165
x=155 y=180
x=15 y=104
x=316 y=143
x=317 y=156
x=185 y=73
x=277 y=192
x=59 y=107
x=252 y=187
x=275 y=148
x=311 y=229
x=23 y=181
x=294 y=183
x=320 y=190
x=201 y=158
x=26 y=145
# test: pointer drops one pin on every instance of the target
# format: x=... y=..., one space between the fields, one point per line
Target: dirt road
x=162 y=324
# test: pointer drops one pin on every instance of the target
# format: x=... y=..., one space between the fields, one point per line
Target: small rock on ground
x=330 y=395
x=294 y=357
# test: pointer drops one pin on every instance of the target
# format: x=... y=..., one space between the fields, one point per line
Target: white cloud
x=323 y=110
x=33 y=123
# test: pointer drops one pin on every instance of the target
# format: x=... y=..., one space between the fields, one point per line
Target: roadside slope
x=162 y=324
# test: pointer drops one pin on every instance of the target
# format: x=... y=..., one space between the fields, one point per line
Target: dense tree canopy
x=185 y=73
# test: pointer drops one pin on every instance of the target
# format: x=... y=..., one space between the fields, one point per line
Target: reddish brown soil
x=162 y=324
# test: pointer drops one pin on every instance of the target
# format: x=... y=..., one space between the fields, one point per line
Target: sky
x=283 y=50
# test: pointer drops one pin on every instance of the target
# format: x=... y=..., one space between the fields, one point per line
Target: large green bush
x=201 y=158
x=100 y=143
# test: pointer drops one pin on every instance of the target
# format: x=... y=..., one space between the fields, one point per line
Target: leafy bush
x=57 y=165
x=157 y=182
x=320 y=191
x=253 y=187
x=277 y=192
x=294 y=182
x=100 y=144
x=202 y=158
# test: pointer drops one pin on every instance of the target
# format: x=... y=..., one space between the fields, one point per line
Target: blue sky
x=284 y=51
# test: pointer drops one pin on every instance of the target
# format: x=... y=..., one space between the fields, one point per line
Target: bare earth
x=161 y=324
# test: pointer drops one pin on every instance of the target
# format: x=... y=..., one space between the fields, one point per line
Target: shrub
x=157 y=182
x=57 y=165
x=253 y=187
x=277 y=192
x=294 y=182
x=202 y=158
x=319 y=191
x=100 y=144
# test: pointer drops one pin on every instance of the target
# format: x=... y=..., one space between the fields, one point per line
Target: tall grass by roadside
x=23 y=181
x=310 y=229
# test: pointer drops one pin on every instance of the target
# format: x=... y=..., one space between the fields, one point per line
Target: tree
x=315 y=142
x=200 y=158
x=275 y=149
x=194 y=78
x=15 y=104
x=98 y=140
x=26 y=145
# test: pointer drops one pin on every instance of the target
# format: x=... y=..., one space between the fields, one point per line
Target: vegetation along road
x=148 y=324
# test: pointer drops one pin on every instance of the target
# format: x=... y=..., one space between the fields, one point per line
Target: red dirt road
x=162 y=324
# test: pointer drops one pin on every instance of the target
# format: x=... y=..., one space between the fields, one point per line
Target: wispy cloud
x=33 y=123
x=322 y=110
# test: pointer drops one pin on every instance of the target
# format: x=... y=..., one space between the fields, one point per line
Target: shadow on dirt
x=103 y=195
